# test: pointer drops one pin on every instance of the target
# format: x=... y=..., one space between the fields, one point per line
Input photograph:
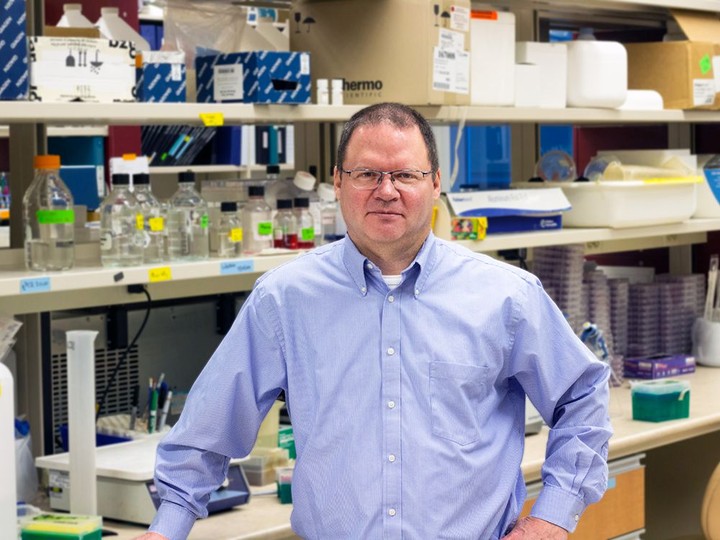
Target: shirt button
x=391 y=458
x=391 y=298
x=577 y=517
x=369 y=266
x=391 y=351
x=417 y=291
x=363 y=290
x=391 y=512
x=391 y=404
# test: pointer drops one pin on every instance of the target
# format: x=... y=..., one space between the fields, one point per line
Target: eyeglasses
x=402 y=179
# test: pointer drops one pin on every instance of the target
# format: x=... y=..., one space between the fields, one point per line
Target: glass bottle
x=121 y=225
x=306 y=224
x=188 y=222
x=257 y=221
x=285 y=226
x=153 y=220
x=49 y=219
x=328 y=215
x=229 y=232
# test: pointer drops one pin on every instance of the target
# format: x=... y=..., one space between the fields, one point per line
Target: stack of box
x=13 y=51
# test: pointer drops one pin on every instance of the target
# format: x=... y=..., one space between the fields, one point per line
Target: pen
x=135 y=403
x=153 y=411
x=165 y=411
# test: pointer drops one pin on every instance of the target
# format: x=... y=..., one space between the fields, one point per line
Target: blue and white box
x=162 y=77
x=254 y=77
x=14 y=74
x=513 y=210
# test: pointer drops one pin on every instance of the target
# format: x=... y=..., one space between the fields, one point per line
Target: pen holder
x=706 y=342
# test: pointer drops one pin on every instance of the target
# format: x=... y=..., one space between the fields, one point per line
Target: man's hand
x=151 y=536
x=531 y=528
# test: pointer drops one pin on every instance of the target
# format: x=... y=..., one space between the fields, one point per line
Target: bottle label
x=106 y=241
x=236 y=235
x=55 y=217
x=204 y=221
x=307 y=234
x=265 y=229
x=139 y=222
x=157 y=224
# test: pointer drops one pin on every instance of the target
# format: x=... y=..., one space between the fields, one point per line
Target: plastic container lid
x=283 y=204
x=302 y=202
x=228 y=206
x=272 y=169
x=46 y=162
x=256 y=191
x=666 y=386
x=556 y=166
x=186 y=177
x=141 y=179
x=304 y=180
x=326 y=192
x=120 y=179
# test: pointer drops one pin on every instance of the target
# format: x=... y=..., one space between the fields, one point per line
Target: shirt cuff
x=173 y=521
x=559 y=507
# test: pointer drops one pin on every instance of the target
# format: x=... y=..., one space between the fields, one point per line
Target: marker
x=153 y=412
x=165 y=411
x=135 y=404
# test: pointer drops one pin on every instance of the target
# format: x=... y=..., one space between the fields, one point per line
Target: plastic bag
x=27 y=479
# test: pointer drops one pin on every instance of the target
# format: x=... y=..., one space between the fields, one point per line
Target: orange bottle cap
x=47 y=162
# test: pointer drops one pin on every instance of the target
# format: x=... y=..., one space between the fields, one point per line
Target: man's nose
x=386 y=188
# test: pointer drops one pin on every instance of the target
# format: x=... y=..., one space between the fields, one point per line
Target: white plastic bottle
x=112 y=26
x=121 y=226
x=188 y=222
x=257 y=221
x=228 y=232
x=153 y=215
x=49 y=219
x=72 y=17
x=306 y=223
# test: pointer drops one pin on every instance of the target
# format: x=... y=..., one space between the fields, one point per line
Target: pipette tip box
x=62 y=526
x=658 y=401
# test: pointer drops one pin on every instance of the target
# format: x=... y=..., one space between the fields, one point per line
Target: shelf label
x=161 y=273
x=34 y=285
x=212 y=119
x=241 y=266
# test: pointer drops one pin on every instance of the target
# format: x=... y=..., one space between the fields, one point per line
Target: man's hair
x=396 y=114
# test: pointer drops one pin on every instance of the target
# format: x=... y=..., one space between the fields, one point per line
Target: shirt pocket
x=456 y=391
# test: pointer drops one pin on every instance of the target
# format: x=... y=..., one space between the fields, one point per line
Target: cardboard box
x=254 y=77
x=13 y=51
x=161 y=77
x=657 y=367
x=411 y=51
x=685 y=73
x=81 y=69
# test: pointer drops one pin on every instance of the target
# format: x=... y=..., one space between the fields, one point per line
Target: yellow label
x=236 y=235
x=161 y=273
x=139 y=222
x=157 y=224
x=674 y=180
x=212 y=119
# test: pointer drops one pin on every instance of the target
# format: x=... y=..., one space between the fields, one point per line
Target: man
x=405 y=361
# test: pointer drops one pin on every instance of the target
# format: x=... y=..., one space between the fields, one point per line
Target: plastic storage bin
x=628 y=203
x=657 y=401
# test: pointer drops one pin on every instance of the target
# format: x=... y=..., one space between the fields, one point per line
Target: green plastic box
x=661 y=400
x=50 y=526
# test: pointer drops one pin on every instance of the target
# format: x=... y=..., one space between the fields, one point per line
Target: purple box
x=659 y=366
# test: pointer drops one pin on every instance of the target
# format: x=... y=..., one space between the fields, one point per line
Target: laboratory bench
x=623 y=505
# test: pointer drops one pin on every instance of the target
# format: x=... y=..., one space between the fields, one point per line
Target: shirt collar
x=356 y=264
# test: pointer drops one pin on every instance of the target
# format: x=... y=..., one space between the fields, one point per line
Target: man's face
x=384 y=217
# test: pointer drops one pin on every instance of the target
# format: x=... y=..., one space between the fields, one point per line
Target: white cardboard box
x=551 y=58
x=81 y=69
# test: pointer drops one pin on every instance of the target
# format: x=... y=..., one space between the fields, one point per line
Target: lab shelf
x=91 y=285
x=98 y=114
x=209 y=169
x=66 y=131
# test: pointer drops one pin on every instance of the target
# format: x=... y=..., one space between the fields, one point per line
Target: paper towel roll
x=81 y=425
x=8 y=499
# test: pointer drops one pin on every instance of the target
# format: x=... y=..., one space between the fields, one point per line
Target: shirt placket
x=392 y=409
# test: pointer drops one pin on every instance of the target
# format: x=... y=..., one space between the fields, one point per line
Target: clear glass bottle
x=306 y=223
x=188 y=222
x=257 y=221
x=229 y=232
x=49 y=219
x=153 y=220
x=285 y=226
x=328 y=215
x=121 y=225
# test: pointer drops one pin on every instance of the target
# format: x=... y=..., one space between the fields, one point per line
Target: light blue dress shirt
x=407 y=404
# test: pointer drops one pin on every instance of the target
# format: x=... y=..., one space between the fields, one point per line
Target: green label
x=204 y=221
x=705 y=64
x=265 y=228
x=52 y=217
x=307 y=234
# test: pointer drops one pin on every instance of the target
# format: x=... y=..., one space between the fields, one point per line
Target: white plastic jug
x=597 y=73
x=112 y=26
x=73 y=18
